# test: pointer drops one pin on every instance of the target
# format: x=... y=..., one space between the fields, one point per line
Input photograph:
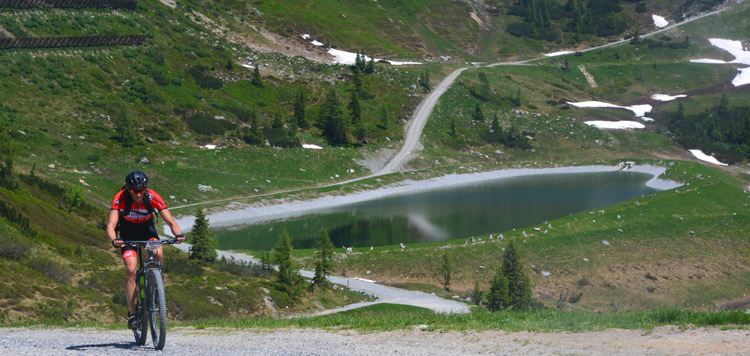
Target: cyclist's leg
x=154 y=235
x=130 y=258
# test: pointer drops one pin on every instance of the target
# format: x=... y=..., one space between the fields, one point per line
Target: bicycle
x=151 y=304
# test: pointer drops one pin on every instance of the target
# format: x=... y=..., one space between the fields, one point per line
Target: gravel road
x=384 y=294
x=187 y=341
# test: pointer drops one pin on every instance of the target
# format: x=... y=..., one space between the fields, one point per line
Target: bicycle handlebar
x=151 y=243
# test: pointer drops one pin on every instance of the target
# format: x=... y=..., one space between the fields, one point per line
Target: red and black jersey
x=138 y=223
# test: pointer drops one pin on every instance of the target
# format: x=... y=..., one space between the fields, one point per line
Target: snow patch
x=209 y=147
x=311 y=146
x=708 y=61
x=555 y=54
x=741 y=56
x=704 y=157
x=659 y=21
x=638 y=110
x=316 y=43
x=615 y=125
x=665 y=97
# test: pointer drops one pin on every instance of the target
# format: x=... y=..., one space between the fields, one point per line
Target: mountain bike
x=151 y=304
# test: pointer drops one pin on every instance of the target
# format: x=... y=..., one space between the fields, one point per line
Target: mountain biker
x=133 y=208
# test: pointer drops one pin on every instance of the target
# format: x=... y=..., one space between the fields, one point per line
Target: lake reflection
x=437 y=215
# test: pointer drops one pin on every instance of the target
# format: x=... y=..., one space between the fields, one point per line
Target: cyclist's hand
x=117 y=243
x=180 y=238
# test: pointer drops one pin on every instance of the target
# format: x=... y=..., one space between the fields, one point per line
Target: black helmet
x=136 y=180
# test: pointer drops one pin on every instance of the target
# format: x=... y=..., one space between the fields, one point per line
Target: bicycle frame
x=144 y=299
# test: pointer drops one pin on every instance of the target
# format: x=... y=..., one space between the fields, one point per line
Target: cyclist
x=133 y=208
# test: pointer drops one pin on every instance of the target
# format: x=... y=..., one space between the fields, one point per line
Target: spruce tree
x=519 y=288
x=257 y=80
x=287 y=275
x=370 y=65
x=324 y=263
x=498 y=297
x=332 y=120
x=446 y=267
x=7 y=158
x=204 y=245
x=384 y=118
x=478 y=115
x=355 y=111
x=299 y=111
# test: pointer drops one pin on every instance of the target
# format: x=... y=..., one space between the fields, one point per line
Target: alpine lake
x=461 y=211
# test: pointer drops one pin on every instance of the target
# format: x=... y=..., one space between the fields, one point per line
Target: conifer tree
x=204 y=244
x=323 y=256
x=257 y=80
x=498 y=297
x=370 y=65
x=384 y=118
x=7 y=158
x=332 y=120
x=446 y=267
x=299 y=111
x=357 y=79
x=287 y=275
x=519 y=288
x=478 y=115
x=355 y=111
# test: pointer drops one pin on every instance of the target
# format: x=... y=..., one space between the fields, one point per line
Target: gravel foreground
x=189 y=341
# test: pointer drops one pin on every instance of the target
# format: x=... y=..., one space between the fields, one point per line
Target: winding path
x=384 y=294
x=413 y=132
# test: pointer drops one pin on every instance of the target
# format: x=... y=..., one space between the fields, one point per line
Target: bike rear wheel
x=141 y=332
x=157 y=308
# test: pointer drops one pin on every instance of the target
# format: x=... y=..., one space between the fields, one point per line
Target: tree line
x=723 y=130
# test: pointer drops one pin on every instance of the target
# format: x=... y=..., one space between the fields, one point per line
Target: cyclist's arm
x=114 y=217
x=169 y=220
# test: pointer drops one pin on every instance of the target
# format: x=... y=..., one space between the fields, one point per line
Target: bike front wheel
x=157 y=308
x=141 y=332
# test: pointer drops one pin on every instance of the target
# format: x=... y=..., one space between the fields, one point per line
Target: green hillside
x=76 y=120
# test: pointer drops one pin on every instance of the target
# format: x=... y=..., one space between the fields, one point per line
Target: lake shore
x=241 y=214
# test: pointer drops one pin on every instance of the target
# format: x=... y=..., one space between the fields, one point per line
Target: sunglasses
x=137 y=191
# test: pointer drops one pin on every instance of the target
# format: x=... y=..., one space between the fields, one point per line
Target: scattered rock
x=144 y=160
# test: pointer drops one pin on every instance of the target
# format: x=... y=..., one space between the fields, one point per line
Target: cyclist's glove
x=115 y=241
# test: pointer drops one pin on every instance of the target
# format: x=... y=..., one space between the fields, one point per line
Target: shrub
x=51 y=269
x=205 y=124
x=242 y=268
x=12 y=248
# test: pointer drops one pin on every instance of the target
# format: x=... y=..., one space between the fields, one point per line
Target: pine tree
x=370 y=65
x=333 y=121
x=287 y=275
x=496 y=128
x=124 y=127
x=384 y=118
x=204 y=244
x=519 y=288
x=446 y=267
x=476 y=294
x=323 y=256
x=357 y=79
x=498 y=297
x=355 y=111
x=257 y=80
x=485 y=89
x=7 y=158
x=299 y=111
x=478 y=115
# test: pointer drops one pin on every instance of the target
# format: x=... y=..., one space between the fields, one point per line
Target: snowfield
x=741 y=56
x=704 y=157
x=659 y=21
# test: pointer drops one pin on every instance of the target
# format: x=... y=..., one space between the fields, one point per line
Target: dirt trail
x=664 y=341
